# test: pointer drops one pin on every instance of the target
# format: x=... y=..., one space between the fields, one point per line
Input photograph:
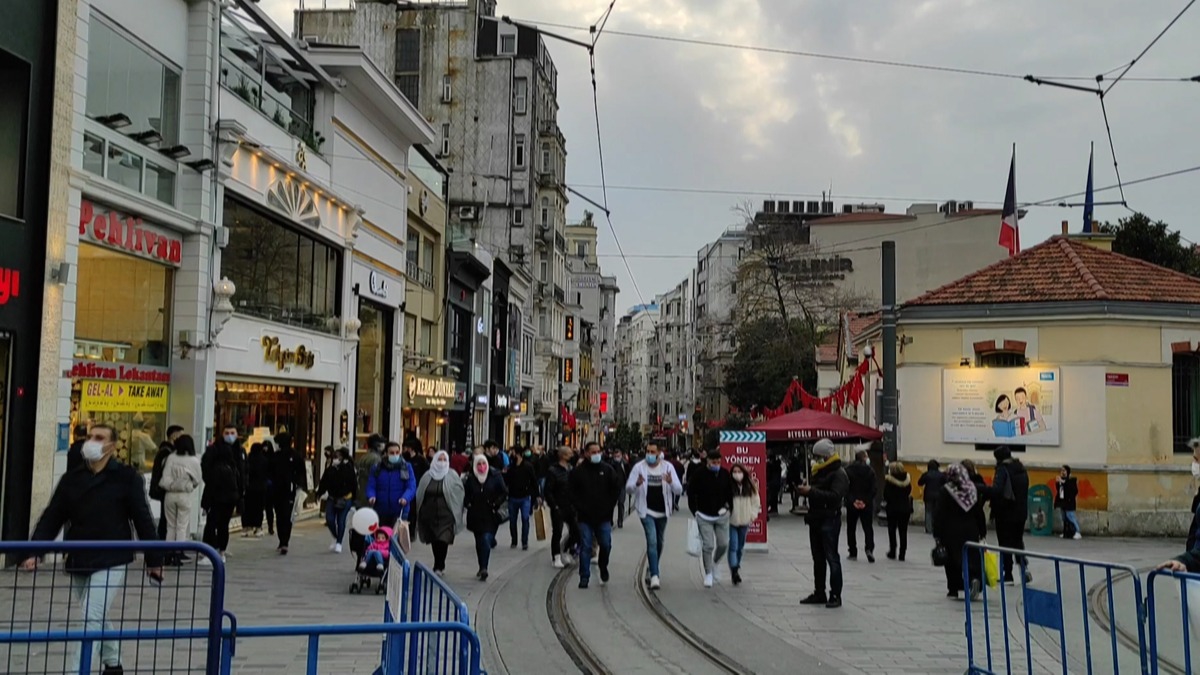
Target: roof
x=1066 y=269
x=868 y=217
x=827 y=351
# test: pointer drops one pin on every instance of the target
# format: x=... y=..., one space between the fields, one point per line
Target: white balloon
x=365 y=521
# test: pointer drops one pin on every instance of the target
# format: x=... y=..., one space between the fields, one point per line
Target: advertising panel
x=1002 y=405
x=749 y=448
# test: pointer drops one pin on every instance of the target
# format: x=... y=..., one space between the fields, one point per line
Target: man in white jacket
x=655 y=486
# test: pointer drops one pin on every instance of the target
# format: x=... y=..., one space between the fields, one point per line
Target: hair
x=590 y=445
x=81 y=430
x=651 y=444
x=932 y=465
x=897 y=469
x=392 y=444
x=712 y=454
x=565 y=453
x=185 y=445
x=112 y=433
x=1067 y=469
x=174 y=429
x=746 y=487
x=861 y=454
x=1002 y=397
x=1002 y=453
x=229 y=426
x=489 y=443
x=344 y=453
x=268 y=446
x=256 y=448
x=969 y=465
x=373 y=440
x=1020 y=390
x=414 y=444
x=283 y=440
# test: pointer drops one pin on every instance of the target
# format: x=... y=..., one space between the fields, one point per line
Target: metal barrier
x=433 y=601
x=1054 y=639
x=399 y=583
x=61 y=620
x=1165 y=644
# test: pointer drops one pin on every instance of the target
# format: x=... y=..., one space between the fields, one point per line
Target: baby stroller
x=368 y=569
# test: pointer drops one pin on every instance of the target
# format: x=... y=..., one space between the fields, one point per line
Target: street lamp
x=351 y=326
x=222 y=309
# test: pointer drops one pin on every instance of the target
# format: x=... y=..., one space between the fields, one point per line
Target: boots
x=735 y=574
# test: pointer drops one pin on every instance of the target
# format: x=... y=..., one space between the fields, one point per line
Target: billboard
x=1018 y=406
x=749 y=448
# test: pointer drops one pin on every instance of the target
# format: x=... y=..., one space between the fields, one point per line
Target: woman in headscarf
x=439 y=508
x=955 y=523
x=485 y=492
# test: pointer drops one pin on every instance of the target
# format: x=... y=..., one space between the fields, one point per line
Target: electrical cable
x=1112 y=149
x=1151 y=45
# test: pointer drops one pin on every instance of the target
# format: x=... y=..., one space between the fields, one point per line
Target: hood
x=898 y=482
x=1014 y=467
x=385 y=530
x=829 y=463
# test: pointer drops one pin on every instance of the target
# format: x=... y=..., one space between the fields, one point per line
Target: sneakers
x=583 y=583
x=716 y=574
x=378 y=567
x=708 y=581
x=976 y=589
x=603 y=576
x=513 y=545
x=558 y=562
x=483 y=575
x=735 y=575
x=871 y=556
x=815 y=599
x=524 y=547
x=1077 y=536
x=1028 y=577
x=835 y=601
x=246 y=534
x=891 y=555
x=655 y=583
x=258 y=533
x=362 y=565
x=567 y=559
x=337 y=548
x=852 y=556
x=334 y=546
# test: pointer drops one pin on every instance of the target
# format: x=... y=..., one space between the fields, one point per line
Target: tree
x=733 y=422
x=626 y=437
x=1138 y=237
x=769 y=355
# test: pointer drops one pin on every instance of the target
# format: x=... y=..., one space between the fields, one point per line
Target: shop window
x=123 y=308
x=260 y=410
x=374 y=371
x=1185 y=399
x=14 y=82
x=125 y=79
x=281 y=274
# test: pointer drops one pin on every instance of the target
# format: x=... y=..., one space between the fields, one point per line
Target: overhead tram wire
x=1149 y=46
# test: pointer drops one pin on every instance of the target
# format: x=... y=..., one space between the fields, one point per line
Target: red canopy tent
x=807 y=425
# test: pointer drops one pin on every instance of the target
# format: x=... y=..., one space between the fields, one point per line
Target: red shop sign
x=127 y=233
x=10 y=284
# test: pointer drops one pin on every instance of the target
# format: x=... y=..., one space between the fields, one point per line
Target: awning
x=808 y=425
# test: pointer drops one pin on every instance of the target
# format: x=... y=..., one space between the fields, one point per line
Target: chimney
x=1064 y=227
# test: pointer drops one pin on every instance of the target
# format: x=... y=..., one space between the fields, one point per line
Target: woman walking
x=897 y=495
x=339 y=482
x=181 y=475
x=484 y=493
x=746 y=507
x=439 y=508
x=1064 y=498
x=954 y=525
x=257 y=470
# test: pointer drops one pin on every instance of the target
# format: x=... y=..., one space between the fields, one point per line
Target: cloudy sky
x=748 y=125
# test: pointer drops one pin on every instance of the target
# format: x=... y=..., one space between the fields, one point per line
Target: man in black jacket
x=1010 y=508
x=98 y=502
x=860 y=500
x=595 y=488
x=619 y=462
x=156 y=492
x=710 y=498
x=223 y=466
x=826 y=492
x=521 y=480
x=558 y=498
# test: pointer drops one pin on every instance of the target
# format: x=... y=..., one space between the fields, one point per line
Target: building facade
x=674 y=380
x=715 y=318
x=637 y=364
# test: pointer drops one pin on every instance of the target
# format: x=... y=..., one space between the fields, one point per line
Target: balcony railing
x=420 y=276
x=559 y=294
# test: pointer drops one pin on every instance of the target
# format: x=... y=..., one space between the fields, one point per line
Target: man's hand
x=640 y=481
x=666 y=477
x=1173 y=566
x=858 y=504
x=29 y=565
x=403 y=501
x=803 y=489
x=371 y=501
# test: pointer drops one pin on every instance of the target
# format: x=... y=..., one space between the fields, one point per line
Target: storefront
x=503 y=405
x=380 y=296
x=428 y=399
x=465 y=330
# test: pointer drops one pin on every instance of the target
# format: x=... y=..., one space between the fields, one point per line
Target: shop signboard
x=107 y=396
x=123 y=372
x=284 y=358
x=10 y=284
x=429 y=392
x=1002 y=405
x=113 y=229
x=749 y=448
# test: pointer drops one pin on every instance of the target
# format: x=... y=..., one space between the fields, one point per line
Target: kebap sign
x=108 y=396
x=749 y=448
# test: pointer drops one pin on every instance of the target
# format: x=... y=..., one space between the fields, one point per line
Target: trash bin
x=1041 y=511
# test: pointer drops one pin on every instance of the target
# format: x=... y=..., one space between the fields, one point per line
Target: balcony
x=419 y=276
x=559 y=295
x=560 y=242
x=543 y=235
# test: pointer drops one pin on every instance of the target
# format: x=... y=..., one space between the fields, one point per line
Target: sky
x=730 y=126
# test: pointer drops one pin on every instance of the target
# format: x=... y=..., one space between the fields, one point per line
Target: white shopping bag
x=694 y=545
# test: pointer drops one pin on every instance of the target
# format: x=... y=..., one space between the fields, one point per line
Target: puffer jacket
x=387 y=485
x=830 y=484
x=897 y=494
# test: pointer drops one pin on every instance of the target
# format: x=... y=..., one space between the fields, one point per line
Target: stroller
x=370 y=567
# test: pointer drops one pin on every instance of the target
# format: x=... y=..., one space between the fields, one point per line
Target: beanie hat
x=823 y=448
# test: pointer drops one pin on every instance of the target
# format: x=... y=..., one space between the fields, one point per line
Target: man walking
x=826 y=491
x=521 y=480
x=621 y=465
x=654 y=486
x=1010 y=508
x=710 y=497
x=224 y=485
x=99 y=501
x=860 y=502
x=562 y=513
x=931 y=483
x=595 y=489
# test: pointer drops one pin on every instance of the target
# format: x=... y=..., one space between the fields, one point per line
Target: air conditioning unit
x=467 y=213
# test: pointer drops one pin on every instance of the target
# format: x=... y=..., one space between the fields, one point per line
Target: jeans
x=589 y=532
x=823 y=541
x=1010 y=535
x=95 y=592
x=656 y=531
x=483 y=548
x=930 y=509
x=1069 y=517
x=558 y=519
x=335 y=519
x=737 y=544
x=216 y=526
x=521 y=505
x=714 y=541
x=373 y=559
x=853 y=517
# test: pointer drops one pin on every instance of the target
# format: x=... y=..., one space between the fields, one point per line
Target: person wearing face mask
x=521 y=481
x=595 y=488
x=826 y=492
x=257 y=484
x=414 y=454
x=391 y=487
x=222 y=467
x=484 y=493
x=289 y=477
x=1065 y=494
x=618 y=461
x=438 y=508
x=654 y=486
x=558 y=498
x=102 y=500
x=746 y=507
x=710 y=497
x=339 y=483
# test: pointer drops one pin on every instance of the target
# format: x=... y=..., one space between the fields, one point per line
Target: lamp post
x=222 y=309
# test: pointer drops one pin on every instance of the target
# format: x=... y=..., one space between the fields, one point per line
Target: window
x=543 y=268
x=111 y=324
x=267 y=81
x=508 y=44
x=446 y=140
x=282 y=274
x=527 y=355
x=14 y=82
x=581 y=249
x=447 y=89
x=521 y=95
x=408 y=64
x=1001 y=359
x=519 y=151
x=546 y=168
x=545 y=213
x=1185 y=399
x=412 y=250
x=732 y=287
x=427 y=332
x=518 y=219
x=123 y=78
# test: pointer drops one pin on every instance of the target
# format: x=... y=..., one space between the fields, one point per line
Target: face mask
x=231 y=438
x=739 y=476
x=714 y=469
x=528 y=454
x=394 y=459
x=481 y=469
x=595 y=459
x=92 y=450
x=336 y=462
x=441 y=466
x=652 y=459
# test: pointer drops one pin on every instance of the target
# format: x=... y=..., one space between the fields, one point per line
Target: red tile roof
x=827 y=351
x=1063 y=269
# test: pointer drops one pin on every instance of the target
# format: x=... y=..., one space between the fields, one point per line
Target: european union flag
x=1089 y=200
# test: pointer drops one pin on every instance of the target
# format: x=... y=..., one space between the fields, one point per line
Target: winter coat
x=165 y=450
x=387 y=485
x=257 y=472
x=829 y=485
x=221 y=467
x=384 y=547
x=932 y=482
x=953 y=528
x=287 y=473
x=862 y=485
x=181 y=473
x=1066 y=493
x=339 y=482
x=640 y=492
x=745 y=509
x=1010 y=493
x=710 y=492
x=364 y=465
x=453 y=491
x=556 y=490
x=897 y=495
x=482 y=499
x=595 y=490
x=521 y=480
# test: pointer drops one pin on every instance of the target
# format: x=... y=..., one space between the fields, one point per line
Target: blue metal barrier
x=1049 y=631
x=45 y=603
x=433 y=601
x=1187 y=616
x=399 y=583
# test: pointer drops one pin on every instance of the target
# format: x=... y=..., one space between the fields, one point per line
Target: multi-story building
x=606 y=338
x=584 y=300
x=490 y=88
x=674 y=378
x=637 y=363
x=714 y=320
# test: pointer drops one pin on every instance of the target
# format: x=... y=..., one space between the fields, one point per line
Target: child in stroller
x=373 y=564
